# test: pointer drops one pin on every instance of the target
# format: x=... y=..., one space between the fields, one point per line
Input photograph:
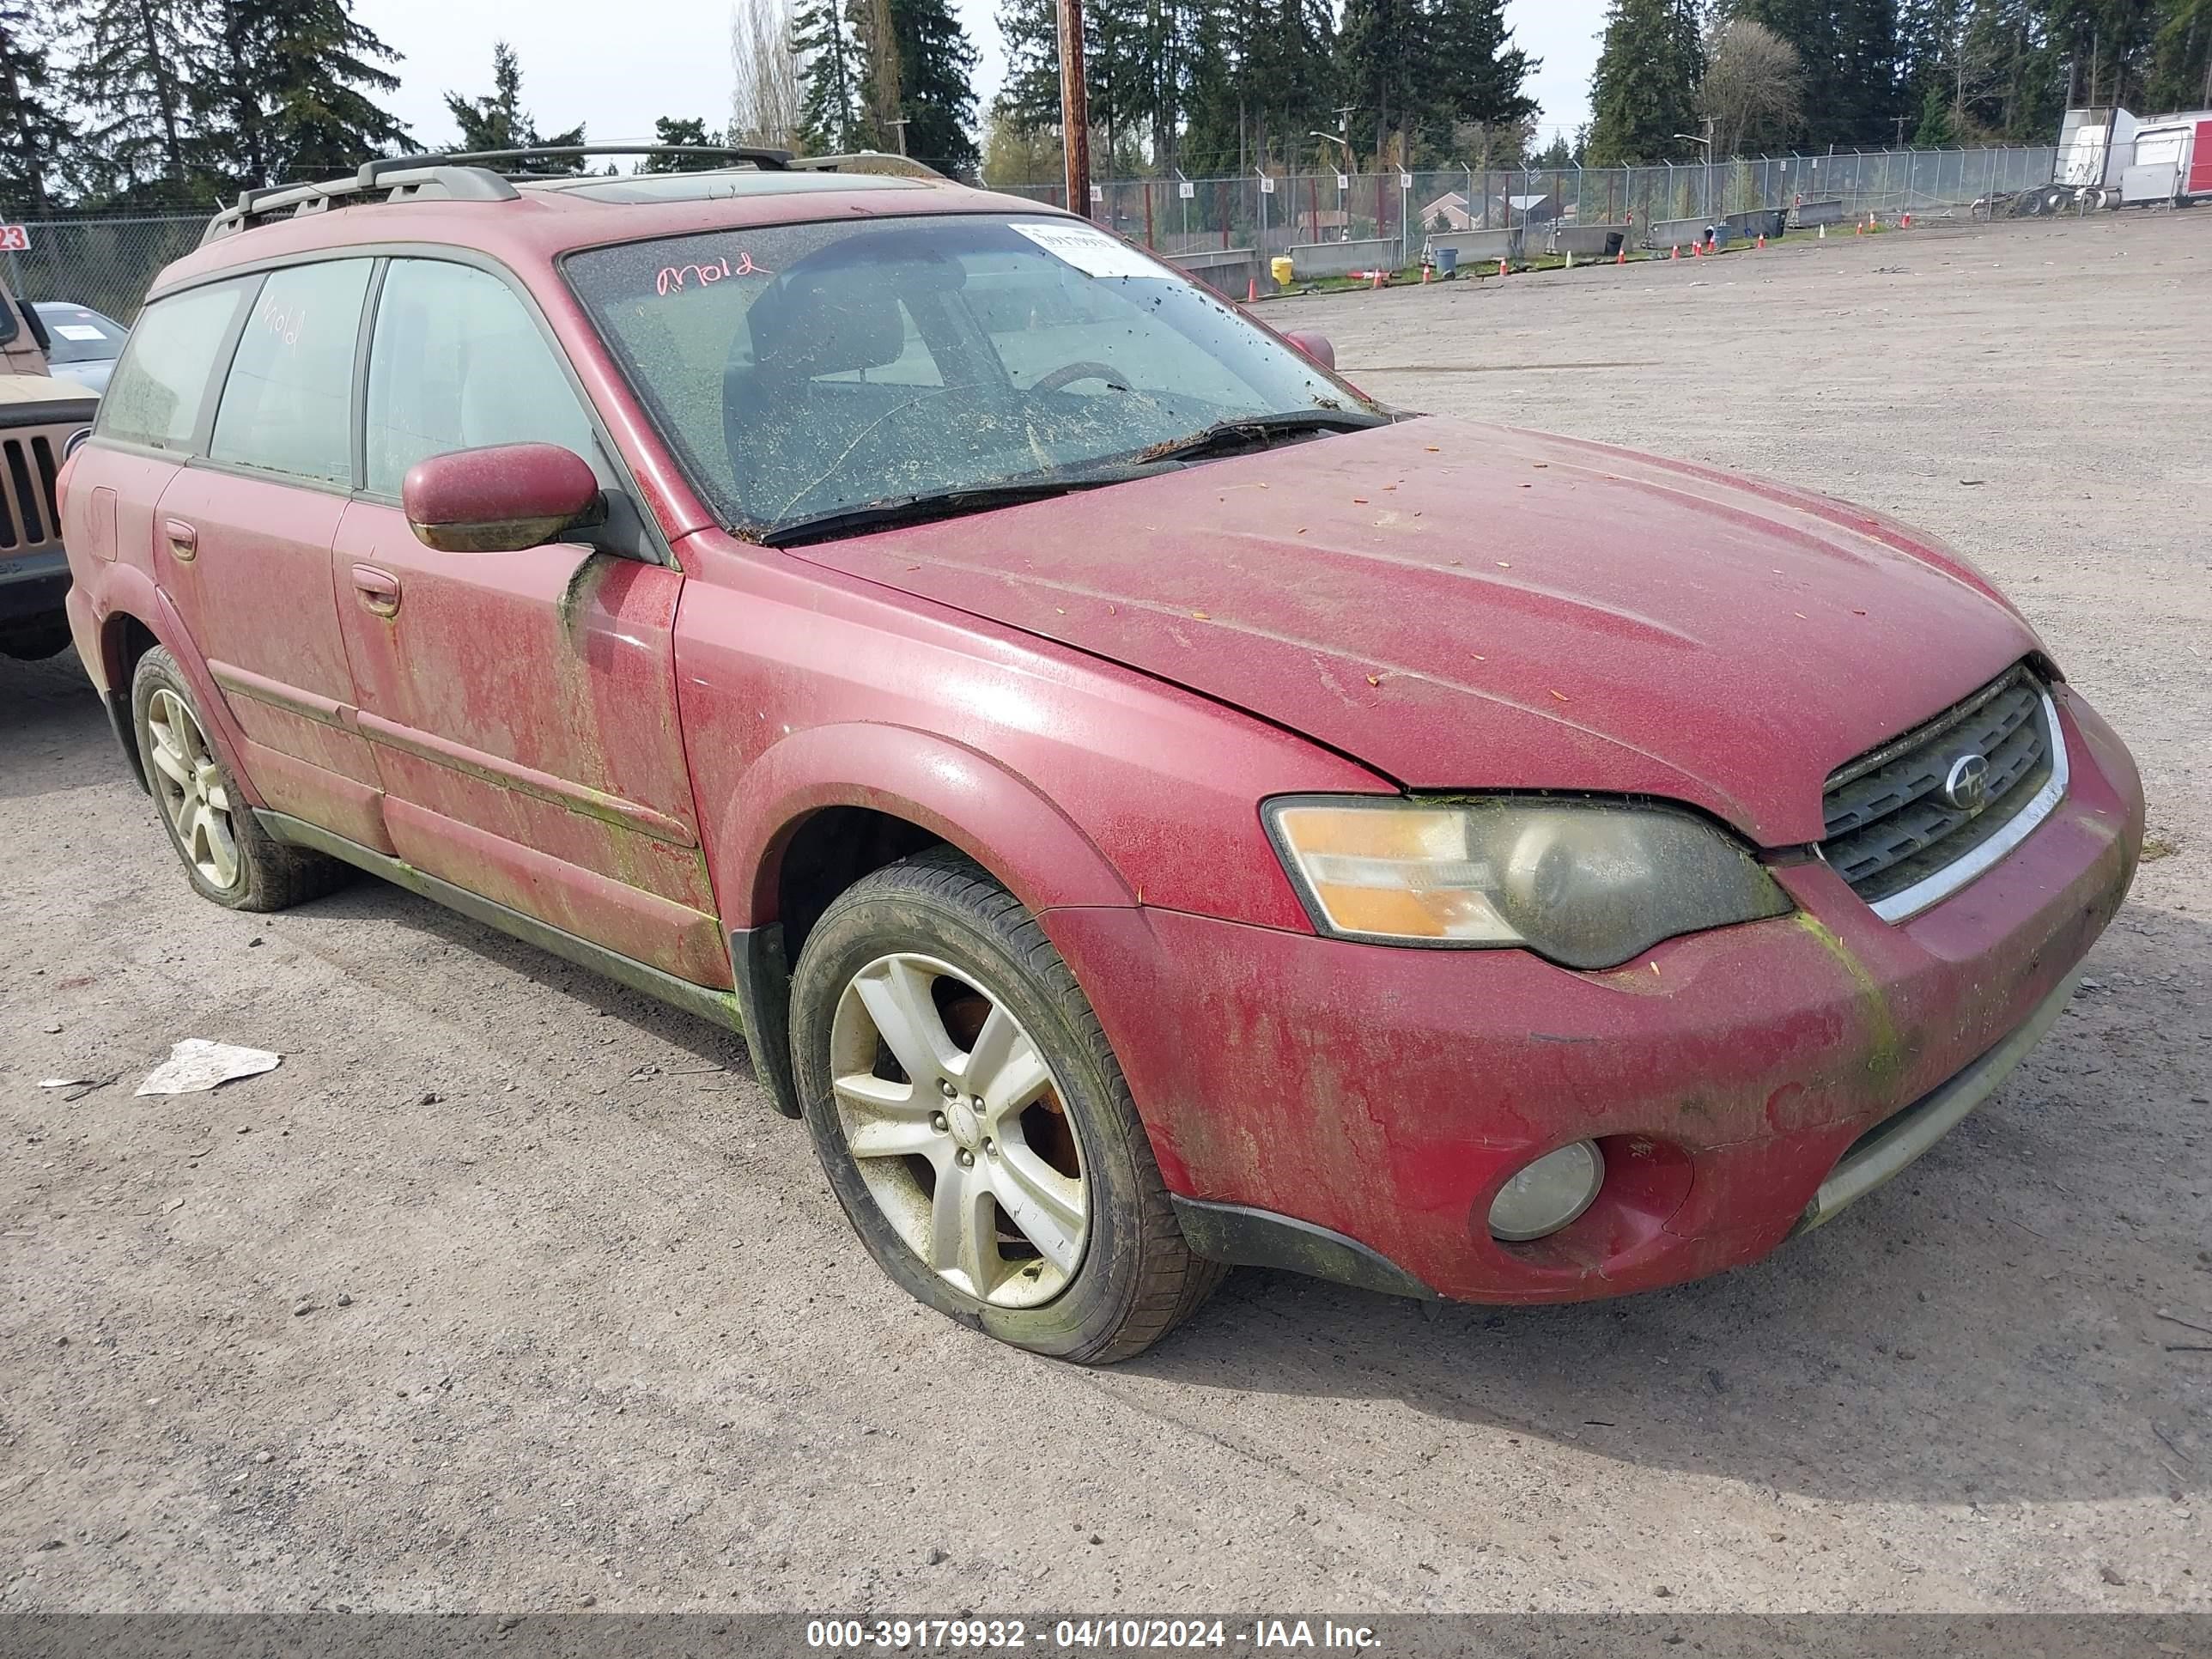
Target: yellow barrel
x=1279 y=268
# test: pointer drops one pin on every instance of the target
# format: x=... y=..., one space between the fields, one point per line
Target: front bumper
x=32 y=585
x=1379 y=1096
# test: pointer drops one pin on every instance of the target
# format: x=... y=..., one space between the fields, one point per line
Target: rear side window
x=288 y=404
x=155 y=395
x=457 y=361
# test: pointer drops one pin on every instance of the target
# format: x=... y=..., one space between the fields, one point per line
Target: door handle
x=379 y=589
x=184 y=540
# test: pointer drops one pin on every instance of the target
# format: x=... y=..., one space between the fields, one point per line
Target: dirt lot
x=492 y=1299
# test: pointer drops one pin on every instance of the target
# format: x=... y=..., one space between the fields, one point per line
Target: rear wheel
x=226 y=854
x=974 y=1123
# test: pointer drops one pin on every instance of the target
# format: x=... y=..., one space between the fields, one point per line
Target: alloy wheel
x=191 y=789
x=956 y=1123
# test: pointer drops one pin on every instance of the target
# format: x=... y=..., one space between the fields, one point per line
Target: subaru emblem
x=1966 y=786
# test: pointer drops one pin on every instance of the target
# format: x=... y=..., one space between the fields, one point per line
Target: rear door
x=521 y=706
x=242 y=543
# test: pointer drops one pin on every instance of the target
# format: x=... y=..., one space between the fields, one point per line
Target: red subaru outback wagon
x=1145 y=806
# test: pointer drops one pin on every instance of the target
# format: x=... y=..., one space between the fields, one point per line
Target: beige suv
x=38 y=417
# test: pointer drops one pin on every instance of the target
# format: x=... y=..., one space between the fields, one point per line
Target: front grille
x=1889 y=826
x=29 y=516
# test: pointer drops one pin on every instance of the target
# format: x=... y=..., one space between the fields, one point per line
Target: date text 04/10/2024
x=1083 y=1635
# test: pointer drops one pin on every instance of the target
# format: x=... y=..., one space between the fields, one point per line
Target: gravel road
x=499 y=1296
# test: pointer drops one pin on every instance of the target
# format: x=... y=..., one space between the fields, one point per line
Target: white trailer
x=2108 y=158
x=2172 y=162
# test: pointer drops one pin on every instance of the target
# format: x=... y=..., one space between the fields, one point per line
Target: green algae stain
x=1884 y=1060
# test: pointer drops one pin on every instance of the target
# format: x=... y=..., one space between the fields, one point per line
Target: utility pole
x=1074 y=107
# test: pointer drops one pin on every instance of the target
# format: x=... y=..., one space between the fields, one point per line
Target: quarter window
x=457 y=361
x=287 y=406
x=160 y=385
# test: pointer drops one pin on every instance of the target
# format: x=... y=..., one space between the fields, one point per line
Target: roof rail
x=459 y=177
x=406 y=179
x=878 y=161
x=759 y=156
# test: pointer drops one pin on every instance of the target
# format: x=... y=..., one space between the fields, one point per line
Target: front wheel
x=974 y=1123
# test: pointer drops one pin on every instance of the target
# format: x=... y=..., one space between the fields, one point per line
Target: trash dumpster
x=1280 y=269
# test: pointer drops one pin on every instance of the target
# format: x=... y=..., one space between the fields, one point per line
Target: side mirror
x=501 y=499
x=1315 y=346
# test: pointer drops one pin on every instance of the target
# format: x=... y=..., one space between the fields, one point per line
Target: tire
x=36 y=639
x=934 y=936
x=228 y=858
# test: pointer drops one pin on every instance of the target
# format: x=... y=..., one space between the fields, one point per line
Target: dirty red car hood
x=1467 y=607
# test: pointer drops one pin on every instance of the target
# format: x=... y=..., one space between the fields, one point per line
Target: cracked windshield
x=831 y=373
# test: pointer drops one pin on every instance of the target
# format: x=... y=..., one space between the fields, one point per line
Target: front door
x=521 y=706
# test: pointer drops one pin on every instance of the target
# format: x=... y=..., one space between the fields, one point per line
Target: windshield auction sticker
x=1089 y=250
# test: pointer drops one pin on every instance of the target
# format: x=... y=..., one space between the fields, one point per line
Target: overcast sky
x=617 y=71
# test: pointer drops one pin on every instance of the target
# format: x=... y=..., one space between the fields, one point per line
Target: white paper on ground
x=78 y=331
x=63 y=1082
x=196 y=1064
x=1088 y=249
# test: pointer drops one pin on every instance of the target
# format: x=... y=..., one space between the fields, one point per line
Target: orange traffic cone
x=1861 y=231
x=1376 y=286
x=1425 y=275
x=1675 y=252
x=1251 y=290
x=1501 y=270
x=1906 y=224
x=1621 y=257
x=1762 y=239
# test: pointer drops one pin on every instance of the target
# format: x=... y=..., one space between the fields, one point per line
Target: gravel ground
x=495 y=1297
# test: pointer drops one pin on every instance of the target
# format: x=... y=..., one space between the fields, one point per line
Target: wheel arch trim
x=130 y=595
x=956 y=793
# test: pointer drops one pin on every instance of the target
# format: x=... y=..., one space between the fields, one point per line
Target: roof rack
x=459 y=177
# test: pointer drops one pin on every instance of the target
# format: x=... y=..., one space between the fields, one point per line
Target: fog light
x=1545 y=1195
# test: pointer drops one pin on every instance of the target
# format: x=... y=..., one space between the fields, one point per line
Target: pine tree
x=1644 y=96
x=1937 y=130
x=285 y=93
x=829 y=78
x=1028 y=98
x=1387 y=54
x=686 y=129
x=1871 y=96
x=134 y=60
x=1477 y=73
x=2181 y=71
x=936 y=97
x=500 y=122
x=33 y=129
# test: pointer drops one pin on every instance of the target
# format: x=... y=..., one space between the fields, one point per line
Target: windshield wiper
x=941 y=504
x=1260 y=432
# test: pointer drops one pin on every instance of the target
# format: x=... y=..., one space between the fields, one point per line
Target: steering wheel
x=1068 y=373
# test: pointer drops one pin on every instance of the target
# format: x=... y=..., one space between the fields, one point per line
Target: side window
x=457 y=361
x=154 y=395
x=288 y=404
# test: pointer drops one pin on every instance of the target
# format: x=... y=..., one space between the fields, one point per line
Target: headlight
x=1587 y=884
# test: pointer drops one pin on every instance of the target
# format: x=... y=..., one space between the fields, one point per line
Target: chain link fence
x=107 y=263
x=104 y=263
x=1178 y=216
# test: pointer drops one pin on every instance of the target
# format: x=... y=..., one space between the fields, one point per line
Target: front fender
x=954 y=792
